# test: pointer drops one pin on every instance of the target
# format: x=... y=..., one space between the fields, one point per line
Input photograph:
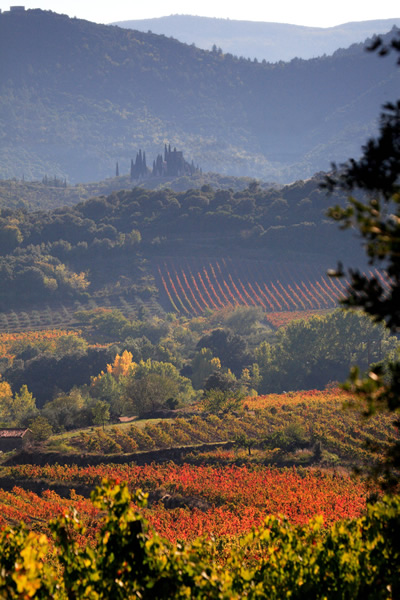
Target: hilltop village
x=172 y=164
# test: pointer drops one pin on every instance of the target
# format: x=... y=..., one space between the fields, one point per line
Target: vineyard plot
x=193 y=286
x=236 y=498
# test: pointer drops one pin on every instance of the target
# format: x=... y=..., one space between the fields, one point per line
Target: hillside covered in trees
x=53 y=192
x=112 y=244
x=77 y=97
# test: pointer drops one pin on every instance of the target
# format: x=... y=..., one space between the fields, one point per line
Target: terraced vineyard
x=287 y=426
x=193 y=286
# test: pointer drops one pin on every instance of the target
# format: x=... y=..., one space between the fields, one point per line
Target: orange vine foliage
x=282 y=319
x=238 y=498
x=45 y=339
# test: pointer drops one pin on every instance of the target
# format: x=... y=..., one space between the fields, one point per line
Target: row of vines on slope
x=235 y=499
x=192 y=286
x=285 y=422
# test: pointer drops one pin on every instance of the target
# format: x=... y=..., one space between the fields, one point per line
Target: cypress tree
x=136 y=170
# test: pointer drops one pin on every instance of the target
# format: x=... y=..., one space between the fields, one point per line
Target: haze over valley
x=78 y=97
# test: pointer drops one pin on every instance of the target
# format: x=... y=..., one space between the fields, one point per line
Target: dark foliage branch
x=375 y=215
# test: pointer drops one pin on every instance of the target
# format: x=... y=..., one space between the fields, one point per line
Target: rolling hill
x=138 y=243
x=76 y=97
x=272 y=42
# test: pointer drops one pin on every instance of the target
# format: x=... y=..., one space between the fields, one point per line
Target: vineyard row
x=191 y=287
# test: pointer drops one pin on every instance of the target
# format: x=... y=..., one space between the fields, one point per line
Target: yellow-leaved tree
x=17 y=410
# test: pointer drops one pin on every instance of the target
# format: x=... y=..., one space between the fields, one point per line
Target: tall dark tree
x=377 y=219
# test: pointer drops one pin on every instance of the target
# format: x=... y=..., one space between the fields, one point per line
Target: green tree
x=203 y=364
x=184 y=386
x=289 y=438
x=70 y=344
x=10 y=238
x=133 y=238
x=242 y=441
x=41 y=429
x=111 y=325
x=17 y=410
x=65 y=411
x=221 y=380
x=222 y=401
x=243 y=319
x=310 y=353
x=230 y=348
x=250 y=379
x=101 y=412
x=109 y=389
x=23 y=407
x=151 y=392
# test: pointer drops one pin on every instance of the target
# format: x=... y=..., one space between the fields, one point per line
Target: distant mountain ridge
x=262 y=40
x=75 y=97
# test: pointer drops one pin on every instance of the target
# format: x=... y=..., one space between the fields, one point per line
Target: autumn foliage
x=126 y=559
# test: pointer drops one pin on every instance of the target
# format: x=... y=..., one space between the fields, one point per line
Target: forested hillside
x=114 y=244
x=77 y=97
x=52 y=192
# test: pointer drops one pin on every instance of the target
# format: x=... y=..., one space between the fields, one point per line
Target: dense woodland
x=51 y=192
x=78 y=97
x=102 y=246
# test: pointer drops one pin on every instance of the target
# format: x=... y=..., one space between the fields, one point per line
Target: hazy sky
x=317 y=13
